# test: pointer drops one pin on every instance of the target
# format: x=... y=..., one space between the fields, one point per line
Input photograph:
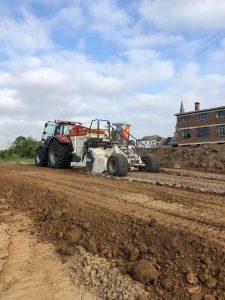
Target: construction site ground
x=66 y=234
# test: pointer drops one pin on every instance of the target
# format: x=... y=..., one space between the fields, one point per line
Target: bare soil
x=152 y=241
x=31 y=269
x=210 y=158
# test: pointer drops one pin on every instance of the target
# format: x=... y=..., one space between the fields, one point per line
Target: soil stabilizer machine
x=101 y=148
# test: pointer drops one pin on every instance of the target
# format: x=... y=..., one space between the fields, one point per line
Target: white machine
x=108 y=149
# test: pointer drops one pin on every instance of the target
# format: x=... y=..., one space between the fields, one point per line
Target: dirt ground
x=65 y=233
x=30 y=269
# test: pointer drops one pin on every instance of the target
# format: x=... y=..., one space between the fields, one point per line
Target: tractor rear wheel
x=59 y=155
x=117 y=165
x=151 y=163
x=41 y=157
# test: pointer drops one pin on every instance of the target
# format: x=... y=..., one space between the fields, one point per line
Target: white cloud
x=8 y=101
x=144 y=67
x=191 y=84
x=23 y=35
x=67 y=17
x=191 y=15
x=10 y=128
x=108 y=18
x=72 y=74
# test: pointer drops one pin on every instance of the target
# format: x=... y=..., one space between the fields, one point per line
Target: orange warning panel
x=126 y=132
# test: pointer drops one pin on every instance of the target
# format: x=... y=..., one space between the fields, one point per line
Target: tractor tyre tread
x=120 y=163
x=151 y=162
x=41 y=157
x=64 y=155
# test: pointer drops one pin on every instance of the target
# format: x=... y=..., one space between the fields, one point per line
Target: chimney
x=197 y=106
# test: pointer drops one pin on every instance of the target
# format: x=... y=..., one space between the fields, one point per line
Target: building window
x=220 y=114
x=221 y=130
x=186 y=133
x=202 y=132
x=202 y=116
x=185 y=119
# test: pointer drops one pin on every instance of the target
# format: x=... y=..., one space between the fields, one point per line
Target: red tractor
x=56 y=148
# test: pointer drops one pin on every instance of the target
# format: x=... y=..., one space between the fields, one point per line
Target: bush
x=4 y=154
x=24 y=147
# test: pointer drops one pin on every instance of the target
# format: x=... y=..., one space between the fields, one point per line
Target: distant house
x=154 y=141
x=149 y=141
x=201 y=126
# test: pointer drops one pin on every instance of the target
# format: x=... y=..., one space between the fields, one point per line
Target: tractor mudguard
x=63 y=139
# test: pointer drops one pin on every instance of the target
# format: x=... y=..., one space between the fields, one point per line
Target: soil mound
x=206 y=157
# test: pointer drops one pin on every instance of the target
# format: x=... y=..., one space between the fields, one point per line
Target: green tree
x=24 y=146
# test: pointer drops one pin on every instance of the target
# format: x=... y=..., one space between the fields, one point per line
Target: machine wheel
x=151 y=163
x=41 y=157
x=59 y=155
x=117 y=165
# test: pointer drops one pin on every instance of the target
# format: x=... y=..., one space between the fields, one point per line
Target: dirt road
x=177 y=233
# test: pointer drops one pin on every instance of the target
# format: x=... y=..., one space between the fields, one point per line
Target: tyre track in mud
x=191 y=211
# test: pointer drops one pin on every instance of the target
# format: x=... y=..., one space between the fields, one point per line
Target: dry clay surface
x=30 y=269
x=123 y=239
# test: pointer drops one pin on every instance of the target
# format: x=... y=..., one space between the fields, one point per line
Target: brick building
x=201 y=126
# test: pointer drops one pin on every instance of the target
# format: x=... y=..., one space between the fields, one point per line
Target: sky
x=123 y=60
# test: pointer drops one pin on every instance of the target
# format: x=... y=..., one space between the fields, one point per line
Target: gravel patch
x=206 y=187
x=193 y=174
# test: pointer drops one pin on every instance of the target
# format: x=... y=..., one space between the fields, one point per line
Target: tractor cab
x=58 y=129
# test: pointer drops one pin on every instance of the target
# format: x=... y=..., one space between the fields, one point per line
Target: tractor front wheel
x=59 y=155
x=151 y=163
x=117 y=165
x=41 y=157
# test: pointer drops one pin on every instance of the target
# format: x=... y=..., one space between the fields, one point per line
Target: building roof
x=201 y=111
x=150 y=137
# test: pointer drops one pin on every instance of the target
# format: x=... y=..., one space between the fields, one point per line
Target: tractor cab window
x=67 y=129
x=49 y=131
x=59 y=129
x=63 y=129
